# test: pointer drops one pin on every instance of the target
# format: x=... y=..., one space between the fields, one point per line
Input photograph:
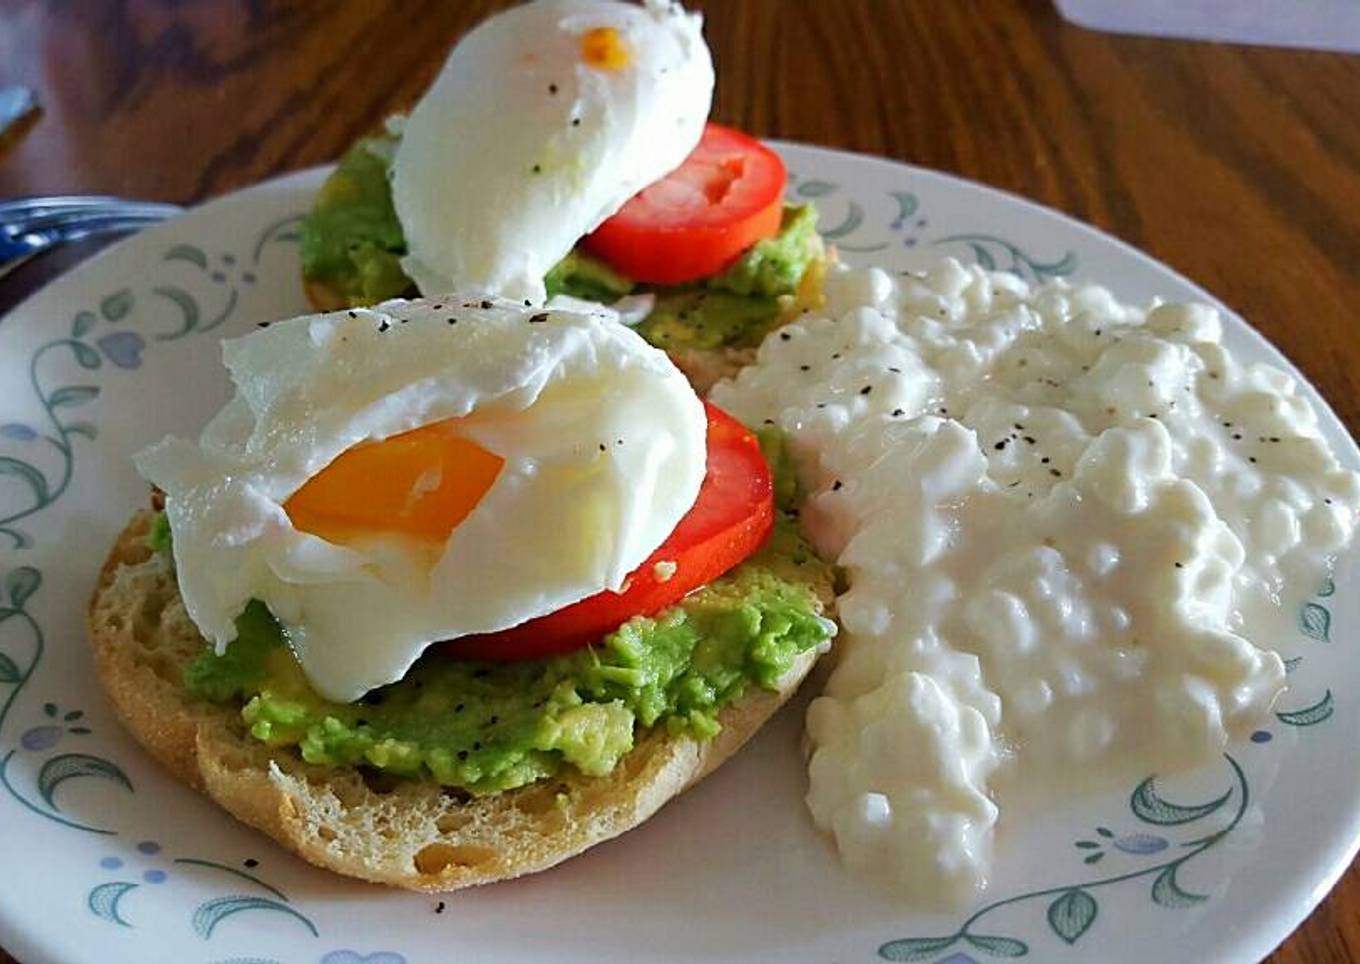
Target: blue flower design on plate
x=17 y=431
x=48 y=735
x=122 y=348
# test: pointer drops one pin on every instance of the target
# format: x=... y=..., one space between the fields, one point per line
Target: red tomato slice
x=730 y=519
x=727 y=195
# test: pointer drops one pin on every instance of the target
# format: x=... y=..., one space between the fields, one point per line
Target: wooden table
x=1238 y=166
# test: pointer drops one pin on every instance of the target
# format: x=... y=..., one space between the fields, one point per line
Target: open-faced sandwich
x=563 y=151
x=452 y=590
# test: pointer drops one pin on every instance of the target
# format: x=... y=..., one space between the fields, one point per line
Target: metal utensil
x=30 y=226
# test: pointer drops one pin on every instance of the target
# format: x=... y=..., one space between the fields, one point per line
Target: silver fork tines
x=30 y=226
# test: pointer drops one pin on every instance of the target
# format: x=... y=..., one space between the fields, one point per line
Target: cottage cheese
x=1069 y=526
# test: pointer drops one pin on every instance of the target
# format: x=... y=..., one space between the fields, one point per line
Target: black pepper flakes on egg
x=539 y=318
x=383 y=325
x=785 y=336
x=866 y=389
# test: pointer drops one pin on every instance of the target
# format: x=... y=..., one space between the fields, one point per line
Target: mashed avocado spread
x=486 y=727
x=352 y=240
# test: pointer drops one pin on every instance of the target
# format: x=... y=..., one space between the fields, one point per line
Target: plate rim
x=1259 y=933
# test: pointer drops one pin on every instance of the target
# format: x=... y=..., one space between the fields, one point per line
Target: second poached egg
x=544 y=121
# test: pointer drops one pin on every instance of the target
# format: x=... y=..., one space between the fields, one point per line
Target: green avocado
x=772 y=268
x=706 y=317
x=353 y=240
x=581 y=276
x=487 y=727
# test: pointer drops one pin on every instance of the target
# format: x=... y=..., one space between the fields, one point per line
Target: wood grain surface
x=1239 y=167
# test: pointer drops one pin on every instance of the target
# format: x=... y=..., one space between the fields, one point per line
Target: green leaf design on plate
x=103 y=901
x=188 y=307
x=187 y=252
x=989 y=250
x=210 y=913
x=21 y=583
x=998 y=946
x=815 y=188
x=906 y=206
x=1095 y=858
x=1168 y=893
x=81 y=428
x=87 y=356
x=26 y=473
x=72 y=395
x=116 y=306
x=1072 y=914
x=1327 y=588
x=914 y=948
x=854 y=217
x=195 y=862
x=1309 y=715
x=9 y=672
x=70 y=766
x=1149 y=807
x=1316 y=622
x=82 y=323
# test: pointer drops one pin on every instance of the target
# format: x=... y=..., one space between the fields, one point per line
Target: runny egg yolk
x=603 y=49
x=419 y=484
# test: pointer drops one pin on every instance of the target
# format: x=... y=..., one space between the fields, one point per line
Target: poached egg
x=387 y=478
x=543 y=122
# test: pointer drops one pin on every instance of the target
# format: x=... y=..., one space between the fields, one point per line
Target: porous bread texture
x=405 y=833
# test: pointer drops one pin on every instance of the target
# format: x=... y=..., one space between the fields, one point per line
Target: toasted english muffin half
x=405 y=833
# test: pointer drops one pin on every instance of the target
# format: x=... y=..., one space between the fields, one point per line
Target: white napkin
x=1320 y=24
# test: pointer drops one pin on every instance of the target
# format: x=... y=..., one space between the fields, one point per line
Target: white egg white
x=604 y=449
x=520 y=147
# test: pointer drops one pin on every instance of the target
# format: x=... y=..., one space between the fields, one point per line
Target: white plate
x=105 y=858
